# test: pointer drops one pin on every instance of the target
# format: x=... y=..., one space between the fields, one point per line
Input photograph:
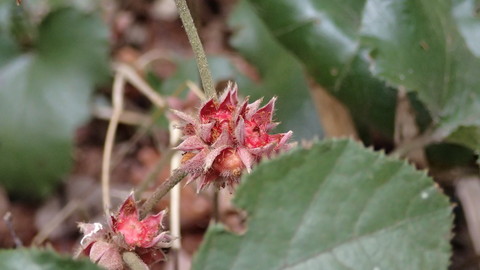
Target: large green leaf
x=281 y=74
x=44 y=96
x=323 y=35
x=335 y=206
x=419 y=45
x=32 y=259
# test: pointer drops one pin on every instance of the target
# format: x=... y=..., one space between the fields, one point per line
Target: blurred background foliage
x=50 y=64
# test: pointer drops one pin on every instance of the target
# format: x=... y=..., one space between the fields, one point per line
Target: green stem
x=161 y=191
x=194 y=39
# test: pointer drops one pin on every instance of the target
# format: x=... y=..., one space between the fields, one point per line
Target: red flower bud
x=227 y=137
x=125 y=232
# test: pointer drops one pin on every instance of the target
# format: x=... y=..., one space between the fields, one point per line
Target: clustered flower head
x=125 y=232
x=228 y=137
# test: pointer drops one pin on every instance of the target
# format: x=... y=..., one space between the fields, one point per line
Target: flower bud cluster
x=228 y=137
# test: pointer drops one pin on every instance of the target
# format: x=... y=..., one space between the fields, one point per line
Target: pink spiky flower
x=125 y=232
x=228 y=137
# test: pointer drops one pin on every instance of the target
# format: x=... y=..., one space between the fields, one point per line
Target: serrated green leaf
x=33 y=259
x=280 y=73
x=324 y=36
x=335 y=206
x=44 y=97
x=418 y=45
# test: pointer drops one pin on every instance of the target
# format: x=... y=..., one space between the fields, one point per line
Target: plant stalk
x=194 y=39
x=431 y=135
x=161 y=191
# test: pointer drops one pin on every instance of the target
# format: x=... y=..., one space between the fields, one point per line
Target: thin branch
x=7 y=218
x=117 y=100
x=141 y=85
x=53 y=224
x=194 y=39
x=424 y=139
x=196 y=90
x=162 y=190
x=151 y=56
x=142 y=131
x=175 y=135
x=126 y=117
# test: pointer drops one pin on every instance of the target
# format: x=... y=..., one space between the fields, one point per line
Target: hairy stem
x=194 y=39
x=7 y=218
x=161 y=191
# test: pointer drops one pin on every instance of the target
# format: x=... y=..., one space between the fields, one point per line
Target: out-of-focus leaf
x=417 y=44
x=281 y=74
x=323 y=35
x=8 y=48
x=335 y=206
x=467 y=15
x=44 y=96
x=32 y=259
x=5 y=14
x=468 y=136
x=445 y=156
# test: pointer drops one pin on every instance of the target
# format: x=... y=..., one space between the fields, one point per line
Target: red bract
x=126 y=232
x=227 y=137
x=137 y=233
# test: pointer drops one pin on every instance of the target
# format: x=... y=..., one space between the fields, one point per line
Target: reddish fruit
x=126 y=232
x=228 y=137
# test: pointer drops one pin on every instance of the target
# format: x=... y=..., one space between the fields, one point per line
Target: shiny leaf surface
x=324 y=36
x=417 y=44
